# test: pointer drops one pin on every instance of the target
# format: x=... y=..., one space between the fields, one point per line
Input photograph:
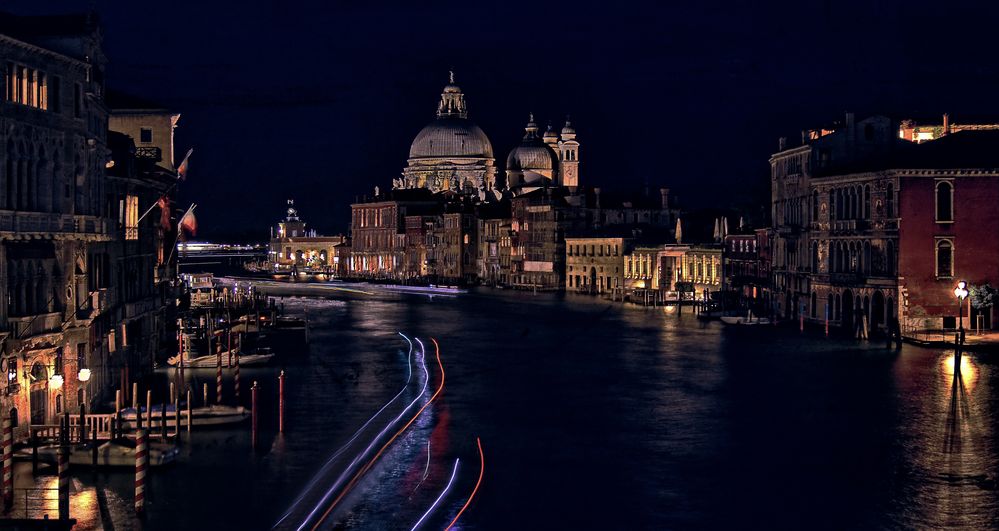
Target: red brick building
x=948 y=224
x=378 y=232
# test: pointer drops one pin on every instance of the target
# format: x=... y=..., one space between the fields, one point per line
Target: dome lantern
x=452 y=102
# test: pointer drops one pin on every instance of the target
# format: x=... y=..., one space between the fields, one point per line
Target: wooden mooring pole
x=64 y=469
x=281 y=402
x=253 y=415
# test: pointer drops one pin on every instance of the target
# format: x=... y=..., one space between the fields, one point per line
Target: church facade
x=453 y=154
x=453 y=216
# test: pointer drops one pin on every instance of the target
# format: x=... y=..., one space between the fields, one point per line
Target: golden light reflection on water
x=42 y=499
x=968 y=370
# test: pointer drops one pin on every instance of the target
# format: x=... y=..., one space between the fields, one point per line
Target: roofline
x=789 y=151
x=911 y=172
x=42 y=50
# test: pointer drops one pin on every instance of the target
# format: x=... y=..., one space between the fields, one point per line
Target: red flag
x=182 y=169
x=164 y=203
x=188 y=224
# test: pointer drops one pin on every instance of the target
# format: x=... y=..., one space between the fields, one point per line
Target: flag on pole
x=164 y=203
x=182 y=169
x=188 y=224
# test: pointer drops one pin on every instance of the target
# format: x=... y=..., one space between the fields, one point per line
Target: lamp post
x=961 y=292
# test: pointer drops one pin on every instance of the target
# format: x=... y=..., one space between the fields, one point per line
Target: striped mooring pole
x=8 y=463
x=218 y=379
x=64 y=471
x=235 y=376
x=141 y=458
x=281 y=402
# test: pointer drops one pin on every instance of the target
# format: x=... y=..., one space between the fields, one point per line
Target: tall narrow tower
x=569 y=156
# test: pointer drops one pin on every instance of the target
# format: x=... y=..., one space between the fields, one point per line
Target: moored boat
x=748 y=320
x=202 y=362
x=216 y=415
x=109 y=454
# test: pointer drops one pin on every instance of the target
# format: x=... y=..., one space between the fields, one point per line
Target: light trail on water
x=433 y=506
x=332 y=459
x=371 y=463
x=367 y=450
x=426 y=471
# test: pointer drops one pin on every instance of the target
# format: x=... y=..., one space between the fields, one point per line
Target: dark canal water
x=591 y=415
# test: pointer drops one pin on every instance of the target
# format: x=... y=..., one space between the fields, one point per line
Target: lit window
x=945 y=201
x=131 y=217
x=945 y=259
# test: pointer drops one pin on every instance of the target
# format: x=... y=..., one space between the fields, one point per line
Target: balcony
x=846 y=278
x=46 y=225
x=33 y=325
x=149 y=153
x=140 y=307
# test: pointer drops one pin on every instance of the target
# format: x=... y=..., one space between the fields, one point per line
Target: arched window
x=945 y=202
x=832 y=205
x=867 y=201
x=815 y=258
x=869 y=132
x=815 y=205
x=890 y=201
x=890 y=257
x=945 y=258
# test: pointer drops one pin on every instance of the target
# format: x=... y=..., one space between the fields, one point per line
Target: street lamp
x=961 y=292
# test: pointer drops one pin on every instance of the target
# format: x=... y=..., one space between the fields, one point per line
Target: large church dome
x=451 y=136
x=451 y=153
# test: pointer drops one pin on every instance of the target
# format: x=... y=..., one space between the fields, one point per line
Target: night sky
x=319 y=101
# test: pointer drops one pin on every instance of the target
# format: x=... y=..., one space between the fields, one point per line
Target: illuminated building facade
x=378 y=232
x=292 y=246
x=892 y=241
x=54 y=320
x=595 y=264
x=795 y=205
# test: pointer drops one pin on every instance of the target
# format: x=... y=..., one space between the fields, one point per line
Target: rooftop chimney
x=596 y=192
x=946 y=124
x=782 y=143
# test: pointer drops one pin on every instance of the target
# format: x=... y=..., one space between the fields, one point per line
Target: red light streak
x=482 y=471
